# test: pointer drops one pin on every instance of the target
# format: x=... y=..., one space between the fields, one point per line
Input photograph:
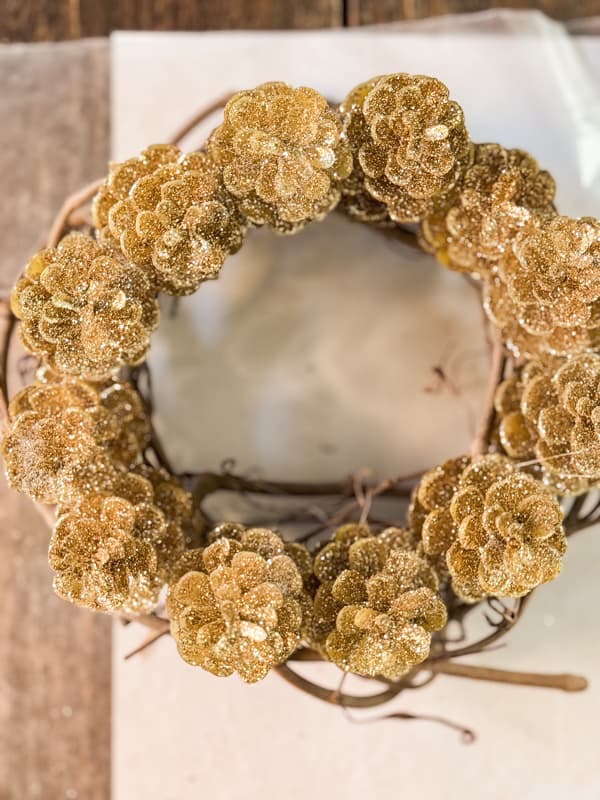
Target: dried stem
x=566 y=682
x=498 y=362
x=206 y=483
x=203 y=114
x=71 y=204
x=148 y=641
x=334 y=696
x=574 y=522
x=7 y=324
x=507 y=620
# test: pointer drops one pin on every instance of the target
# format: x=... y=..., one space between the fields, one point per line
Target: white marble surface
x=313 y=355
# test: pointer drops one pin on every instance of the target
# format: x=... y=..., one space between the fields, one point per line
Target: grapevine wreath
x=379 y=600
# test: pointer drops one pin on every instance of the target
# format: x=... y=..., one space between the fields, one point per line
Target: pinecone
x=356 y=200
x=182 y=514
x=281 y=154
x=500 y=529
x=67 y=438
x=239 y=610
x=377 y=606
x=546 y=295
x=114 y=551
x=498 y=195
x=550 y=411
x=169 y=213
x=126 y=423
x=410 y=140
x=84 y=309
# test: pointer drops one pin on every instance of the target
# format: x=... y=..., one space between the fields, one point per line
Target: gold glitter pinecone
x=114 y=551
x=377 y=604
x=282 y=155
x=84 y=309
x=550 y=411
x=409 y=140
x=545 y=297
x=239 y=609
x=356 y=200
x=499 y=529
x=67 y=437
x=497 y=196
x=169 y=213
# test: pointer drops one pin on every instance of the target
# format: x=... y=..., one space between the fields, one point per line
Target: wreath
x=382 y=601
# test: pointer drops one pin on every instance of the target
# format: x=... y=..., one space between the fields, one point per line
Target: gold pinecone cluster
x=545 y=295
x=550 y=412
x=170 y=215
x=410 y=143
x=237 y=605
x=377 y=603
x=84 y=309
x=114 y=550
x=282 y=155
x=499 y=529
x=67 y=437
x=500 y=192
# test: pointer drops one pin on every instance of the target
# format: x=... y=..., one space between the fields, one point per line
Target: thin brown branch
x=498 y=361
x=575 y=522
x=156 y=446
x=500 y=629
x=152 y=621
x=203 y=114
x=565 y=681
x=206 y=483
x=334 y=696
x=388 y=487
x=148 y=641
x=467 y=735
x=399 y=233
x=306 y=654
x=73 y=203
x=7 y=323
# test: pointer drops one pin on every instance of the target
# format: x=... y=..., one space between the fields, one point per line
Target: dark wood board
x=44 y=20
x=54 y=658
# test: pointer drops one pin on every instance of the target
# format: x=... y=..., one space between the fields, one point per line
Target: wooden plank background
x=43 y=20
x=55 y=659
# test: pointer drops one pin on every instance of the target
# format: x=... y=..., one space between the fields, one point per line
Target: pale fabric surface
x=312 y=356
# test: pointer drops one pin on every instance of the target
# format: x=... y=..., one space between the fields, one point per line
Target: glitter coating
x=282 y=155
x=114 y=551
x=67 y=437
x=84 y=309
x=499 y=529
x=501 y=191
x=410 y=143
x=377 y=603
x=168 y=212
x=545 y=294
x=550 y=412
x=239 y=607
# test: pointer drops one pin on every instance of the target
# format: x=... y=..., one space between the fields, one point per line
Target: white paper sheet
x=312 y=356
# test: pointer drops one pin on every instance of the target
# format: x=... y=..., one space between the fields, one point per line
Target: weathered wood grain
x=43 y=20
x=56 y=20
x=54 y=659
x=370 y=12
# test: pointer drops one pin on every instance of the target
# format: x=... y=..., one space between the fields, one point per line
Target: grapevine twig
x=498 y=361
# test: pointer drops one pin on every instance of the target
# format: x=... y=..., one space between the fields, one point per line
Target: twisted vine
x=355 y=496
